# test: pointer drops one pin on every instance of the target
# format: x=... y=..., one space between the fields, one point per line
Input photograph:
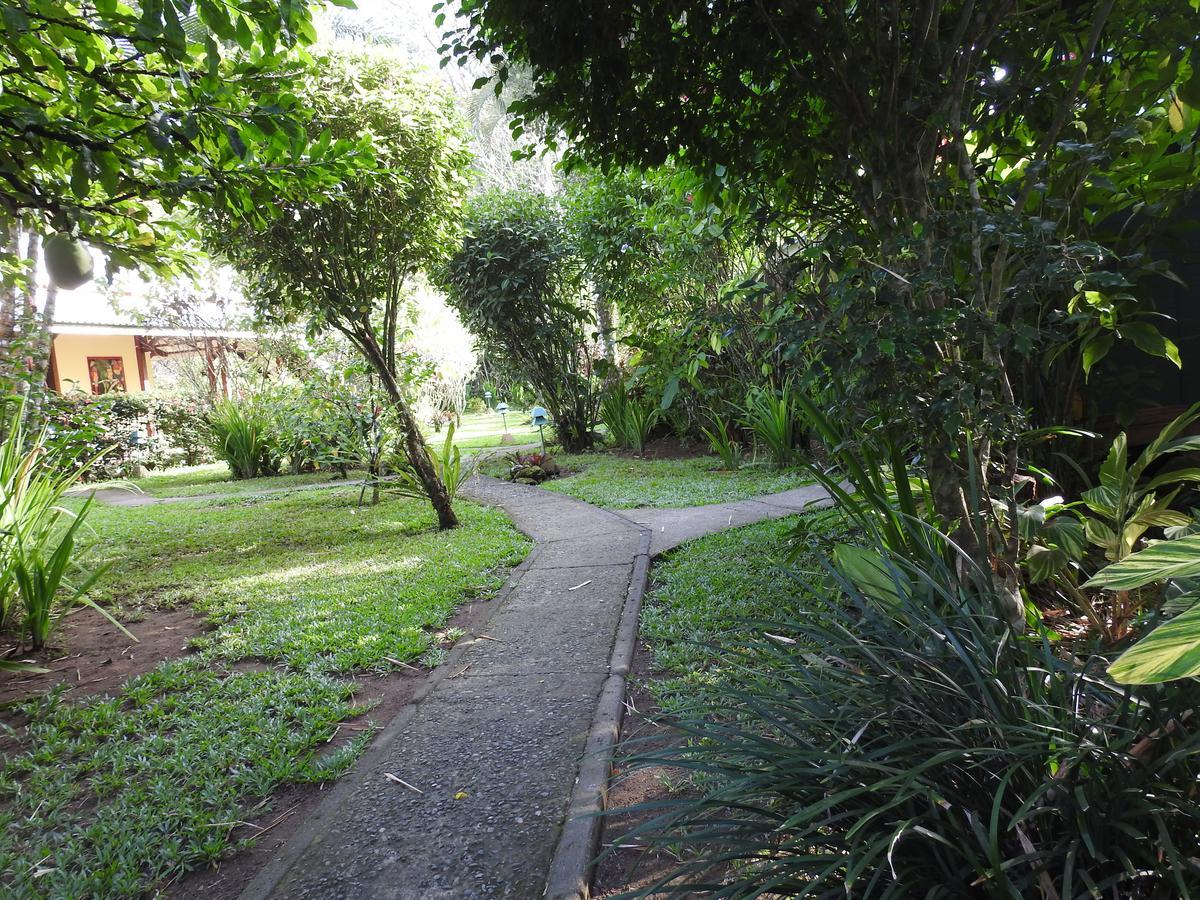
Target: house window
x=107 y=374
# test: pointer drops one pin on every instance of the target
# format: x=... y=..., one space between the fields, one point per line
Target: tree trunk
x=414 y=445
x=604 y=321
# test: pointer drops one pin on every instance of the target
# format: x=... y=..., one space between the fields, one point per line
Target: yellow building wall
x=71 y=352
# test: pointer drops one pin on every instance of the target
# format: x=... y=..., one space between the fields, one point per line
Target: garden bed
x=702 y=590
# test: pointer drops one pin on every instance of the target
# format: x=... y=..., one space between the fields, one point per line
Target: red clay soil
x=93 y=656
x=625 y=864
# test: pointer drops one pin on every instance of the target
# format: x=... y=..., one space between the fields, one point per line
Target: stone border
x=269 y=876
x=570 y=876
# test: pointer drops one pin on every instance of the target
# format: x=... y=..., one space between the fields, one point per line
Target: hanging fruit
x=68 y=261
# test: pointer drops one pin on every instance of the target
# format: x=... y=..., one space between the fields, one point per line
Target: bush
x=629 y=420
x=908 y=749
x=723 y=445
x=475 y=405
x=183 y=425
x=771 y=415
x=517 y=282
x=244 y=436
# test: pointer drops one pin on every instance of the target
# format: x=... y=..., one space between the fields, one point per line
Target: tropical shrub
x=244 y=437
x=628 y=419
x=722 y=443
x=771 y=416
x=448 y=462
x=517 y=282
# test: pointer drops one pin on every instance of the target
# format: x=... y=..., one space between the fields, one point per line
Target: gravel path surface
x=467 y=792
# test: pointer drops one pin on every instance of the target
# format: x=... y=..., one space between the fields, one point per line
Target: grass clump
x=209 y=478
x=309 y=579
x=111 y=797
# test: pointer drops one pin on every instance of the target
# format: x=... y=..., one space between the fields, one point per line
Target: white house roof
x=146 y=330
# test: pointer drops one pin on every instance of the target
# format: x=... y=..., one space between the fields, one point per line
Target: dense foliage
x=113 y=114
x=518 y=284
x=948 y=175
x=342 y=265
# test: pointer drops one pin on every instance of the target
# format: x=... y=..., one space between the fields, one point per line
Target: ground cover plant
x=110 y=797
x=626 y=483
x=712 y=586
x=310 y=578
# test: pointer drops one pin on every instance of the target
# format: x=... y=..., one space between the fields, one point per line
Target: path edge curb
x=572 y=865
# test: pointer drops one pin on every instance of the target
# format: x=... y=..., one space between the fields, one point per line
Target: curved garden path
x=483 y=786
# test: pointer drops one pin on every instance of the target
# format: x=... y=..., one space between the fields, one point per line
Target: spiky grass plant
x=912 y=749
x=243 y=438
x=771 y=415
x=629 y=421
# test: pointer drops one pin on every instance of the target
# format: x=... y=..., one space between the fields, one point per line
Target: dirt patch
x=625 y=863
x=92 y=656
x=664 y=448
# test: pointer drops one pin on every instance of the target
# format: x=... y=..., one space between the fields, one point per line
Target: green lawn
x=110 y=797
x=619 y=482
x=706 y=590
x=477 y=431
x=211 y=478
x=480 y=430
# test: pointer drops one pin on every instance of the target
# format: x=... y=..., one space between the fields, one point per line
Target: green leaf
x=669 y=393
x=1094 y=350
x=870 y=573
x=1158 y=562
x=1150 y=340
x=1044 y=563
x=1169 y=652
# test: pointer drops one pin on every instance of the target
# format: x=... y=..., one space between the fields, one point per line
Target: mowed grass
x=117 y=797
x=618 y=482
x=210 y=478
x=708 y=591
x=310 y=579
x=480 y=430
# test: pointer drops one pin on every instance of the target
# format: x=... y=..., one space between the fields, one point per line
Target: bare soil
x=664 y=448
x=625 y=863
x=92 y=656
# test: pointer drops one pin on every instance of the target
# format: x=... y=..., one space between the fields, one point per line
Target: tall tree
x=343 y=263
x=945 y=143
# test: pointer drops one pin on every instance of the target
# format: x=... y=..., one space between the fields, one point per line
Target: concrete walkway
x=491 y=800
x=672 y=527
